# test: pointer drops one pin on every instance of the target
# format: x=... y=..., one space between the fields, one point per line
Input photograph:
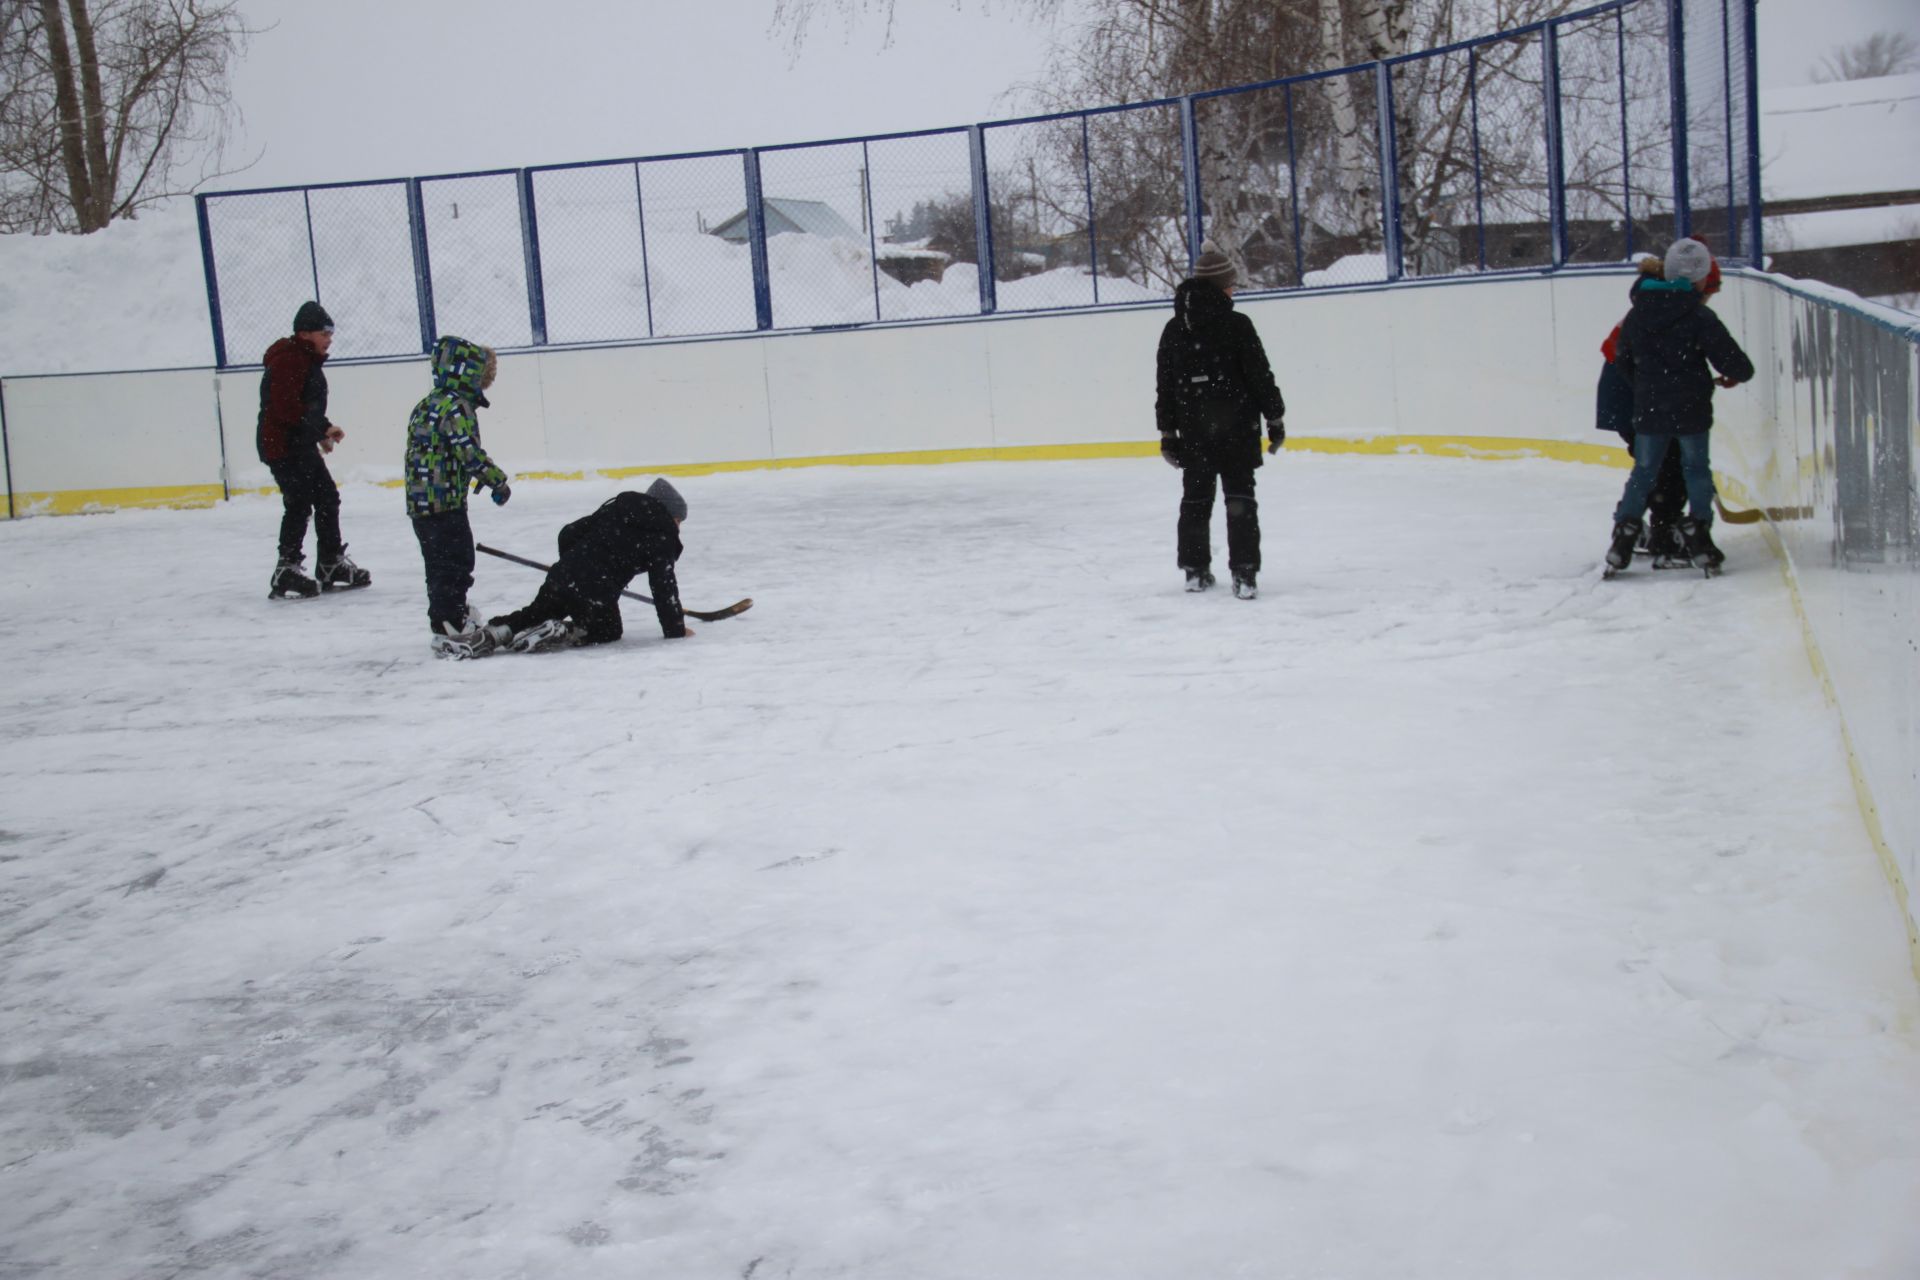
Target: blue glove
x=501 y=493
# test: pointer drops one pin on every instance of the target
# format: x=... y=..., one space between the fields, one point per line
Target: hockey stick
x=1776 y=514
x=738 y=606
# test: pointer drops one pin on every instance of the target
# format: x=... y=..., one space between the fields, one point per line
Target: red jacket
x=293 y=400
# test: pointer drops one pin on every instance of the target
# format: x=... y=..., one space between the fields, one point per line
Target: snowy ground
x=979 y=905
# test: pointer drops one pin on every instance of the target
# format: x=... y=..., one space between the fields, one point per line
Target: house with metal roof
x=808 y=217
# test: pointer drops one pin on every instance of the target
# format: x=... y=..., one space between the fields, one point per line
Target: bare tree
x=1884 y=53
x=107 y=106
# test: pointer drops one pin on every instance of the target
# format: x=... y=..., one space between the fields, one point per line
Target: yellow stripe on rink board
x=76 y=502
x=1486 y=447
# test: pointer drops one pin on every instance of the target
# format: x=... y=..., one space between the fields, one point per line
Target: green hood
x=458 y=367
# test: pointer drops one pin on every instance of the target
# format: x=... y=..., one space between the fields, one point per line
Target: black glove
x=501 y=493
x=1170 y=449
x=1276 y=435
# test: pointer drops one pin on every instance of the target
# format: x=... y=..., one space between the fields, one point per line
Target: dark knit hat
x=1214 y=265
x=669 y=497
x=312 y=318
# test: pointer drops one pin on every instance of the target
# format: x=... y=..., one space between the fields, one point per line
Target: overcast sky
x=355 y=89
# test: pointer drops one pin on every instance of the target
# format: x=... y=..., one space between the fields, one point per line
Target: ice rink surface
x=980 y=906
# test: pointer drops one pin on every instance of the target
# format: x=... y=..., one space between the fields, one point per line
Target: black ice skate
x=342 y=574
x=469 y=640
x=555 y=633
x=290 y=583
x=1668 y=547
x=1243 y=585
x=1620 y=554
x=1700 y=548
x=1199 y=579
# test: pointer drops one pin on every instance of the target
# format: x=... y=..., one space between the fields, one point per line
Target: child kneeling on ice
x=579 y=603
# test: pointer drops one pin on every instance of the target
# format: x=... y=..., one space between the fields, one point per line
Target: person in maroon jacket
x=292 y=436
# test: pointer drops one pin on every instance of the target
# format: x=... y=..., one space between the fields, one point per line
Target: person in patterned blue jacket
x=444 y=456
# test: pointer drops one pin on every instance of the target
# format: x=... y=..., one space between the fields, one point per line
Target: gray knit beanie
x=1688 y=260
x=669 y=497
x=1214 y=265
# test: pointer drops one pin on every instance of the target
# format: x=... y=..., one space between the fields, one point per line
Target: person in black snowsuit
x=1213 y=385
x=1671 y=347
x=600 y=553
x=1613 y=411
x=292 y=434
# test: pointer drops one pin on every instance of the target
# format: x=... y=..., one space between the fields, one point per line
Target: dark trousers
x=600 y=623
x=446 y=545
x=307 y=492
x=1231 y=468
x=1669 y=499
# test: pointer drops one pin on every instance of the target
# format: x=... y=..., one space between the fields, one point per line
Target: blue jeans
x=1649 y=451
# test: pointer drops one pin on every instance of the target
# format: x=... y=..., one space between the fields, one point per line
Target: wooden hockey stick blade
x=1775 y=514
x=1736 y=517
x=738 y=606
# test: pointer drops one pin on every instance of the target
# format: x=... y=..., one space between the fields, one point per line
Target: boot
x=1620 y=554
x=467 y=640
x=1668 y=546
x=341 y=574
x=1243 y=585
x=552 y=634
x=290 y=582
x=1700 y=545
x=1199 y=579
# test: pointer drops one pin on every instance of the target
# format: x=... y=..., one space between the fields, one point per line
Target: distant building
x=808 y=217
x=1840 y=185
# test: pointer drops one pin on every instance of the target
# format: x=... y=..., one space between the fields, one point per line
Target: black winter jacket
x=1211 y=367
x=629 y=534
x=1667 y=344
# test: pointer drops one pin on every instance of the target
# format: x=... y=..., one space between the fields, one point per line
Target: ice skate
x=469 y=640
x=1620 y=553
x=555 y=633
x=1668 y=547
x=341 y=574
x=289 y=582
x=1199 y=579
x=1700 y=548
x=1243 y=585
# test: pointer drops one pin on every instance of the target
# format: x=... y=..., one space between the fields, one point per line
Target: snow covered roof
x=812 y=217
x=1856 y=137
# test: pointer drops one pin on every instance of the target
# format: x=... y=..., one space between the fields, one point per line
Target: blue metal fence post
x=6 y=449
x=1479 y=178
x=1389 y=173
x=982 y=218
x=530 y=247
x=213 y=283
x=1556 y=152
x=757 y=241
x=1190 y=178
x=1626 y=148
x=313 y=253
x=1293 y=196
x=422 y=264
x=1093 y=235
x=1752 y=71
x=873 y=223
x=1677 y=95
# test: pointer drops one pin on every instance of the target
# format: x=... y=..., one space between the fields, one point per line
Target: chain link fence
x=1578 y=141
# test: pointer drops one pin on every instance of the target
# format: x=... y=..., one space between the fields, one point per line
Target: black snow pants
x=446 y=545
x=1216 y=449
x=599 y=622
x=307 y=492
